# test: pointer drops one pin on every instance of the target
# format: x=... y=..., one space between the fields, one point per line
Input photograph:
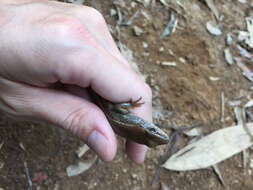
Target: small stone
x=150 y=167
x=228 y=56
x=133 y=4
x=146 y=15
x=158 y=62
x=144 y=2
x=124 y=170
x=137 y=30
x=170 y=52
x=161 y=49
x=214 y=30
x=182 y=60
x=152 y=82
x=113 y=12
x=242 y=1
x=134 y=176
x=145 y=54
x=214 y=78
x=145 y=45
x=229 y=39
x=251 y=163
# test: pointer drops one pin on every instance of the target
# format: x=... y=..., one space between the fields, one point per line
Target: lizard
x=131 y=126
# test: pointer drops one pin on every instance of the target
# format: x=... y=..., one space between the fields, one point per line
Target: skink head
x=140 y=131
x=154 y=135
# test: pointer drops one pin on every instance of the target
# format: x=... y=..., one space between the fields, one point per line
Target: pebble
x=144 y=2
x=251 y=163
x=182 y=60
x=145 y=54
x=229 y=39
x=137 y=30
x=170 y=52
x=214 y=30
x=133 y=4
x=124 y=170
x=134 y=176
x=228 y=56
x=214 y=78
x=161 y=49
x=145 y=45
x=113 y=12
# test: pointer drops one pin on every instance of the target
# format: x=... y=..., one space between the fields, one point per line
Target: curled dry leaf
x=193 y=132
x=212 y=149
x=245 y=70
x=228 y=56
x=80 y=167
x=213 y=8
x=214 y=30
x=165 y=3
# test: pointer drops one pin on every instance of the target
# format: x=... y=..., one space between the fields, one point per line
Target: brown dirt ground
x=186 y=90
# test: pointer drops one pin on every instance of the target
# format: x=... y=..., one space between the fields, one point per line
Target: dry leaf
x=214 y=30
x=213 y=8
x=80 y=167
x=212 y=149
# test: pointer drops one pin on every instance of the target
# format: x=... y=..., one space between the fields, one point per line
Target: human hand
x=43 y=43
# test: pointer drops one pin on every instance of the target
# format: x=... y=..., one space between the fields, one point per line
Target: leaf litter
x=211 y=149
x=80 y=165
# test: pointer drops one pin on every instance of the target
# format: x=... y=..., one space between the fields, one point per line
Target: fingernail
x=98 y=143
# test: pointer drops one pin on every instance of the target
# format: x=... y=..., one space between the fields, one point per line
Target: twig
x=1 y=145
x=185 y=127
x=249 y=114
x=28 y=176
x=172 y=145
x=244 y=125
x=245 y=158
x=222 y=107
x=218 y=174
x=240 y=117
x=163 y=157
x=168 y=28
x=131 y=19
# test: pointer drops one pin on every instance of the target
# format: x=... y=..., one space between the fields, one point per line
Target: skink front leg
x=123 y=108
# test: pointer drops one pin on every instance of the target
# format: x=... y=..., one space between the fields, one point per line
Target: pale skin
x=45 y=42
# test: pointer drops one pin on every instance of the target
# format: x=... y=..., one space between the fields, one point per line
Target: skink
x=130 y=126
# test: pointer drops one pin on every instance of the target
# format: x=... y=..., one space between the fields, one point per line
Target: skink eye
x=152 y=130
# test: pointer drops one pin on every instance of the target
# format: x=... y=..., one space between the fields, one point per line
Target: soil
x=185 y=90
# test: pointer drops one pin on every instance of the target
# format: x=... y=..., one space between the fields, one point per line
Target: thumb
x=82 y=118
x=69 y=111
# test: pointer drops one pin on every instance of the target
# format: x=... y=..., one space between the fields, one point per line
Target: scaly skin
x=131 y=126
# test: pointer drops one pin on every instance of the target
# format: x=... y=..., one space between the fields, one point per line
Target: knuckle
x=94 y=12
x=96 y=16
x=75 y=120
x=67 y=26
